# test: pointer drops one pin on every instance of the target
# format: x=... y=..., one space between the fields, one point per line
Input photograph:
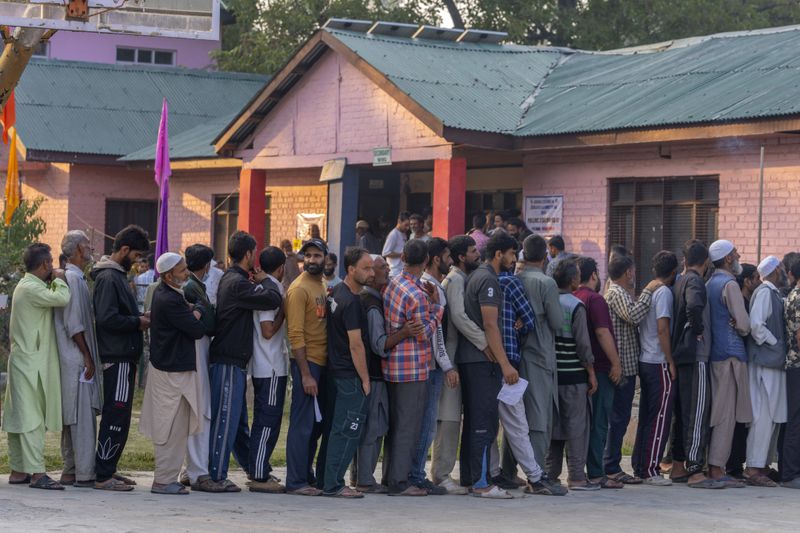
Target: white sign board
x=544 y=215
x=381 y=157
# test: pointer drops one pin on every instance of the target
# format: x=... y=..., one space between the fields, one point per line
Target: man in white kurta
x=81 y=400
x=766 y=349
x=33 y=395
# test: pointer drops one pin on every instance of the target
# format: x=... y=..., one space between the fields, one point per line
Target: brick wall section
x=53 y=186
x=191 y=201
x=582 y=177
x=293 y=192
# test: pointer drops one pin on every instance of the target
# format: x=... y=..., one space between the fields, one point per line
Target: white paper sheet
x=83 y=378
x=317 y=412
x=512 y=394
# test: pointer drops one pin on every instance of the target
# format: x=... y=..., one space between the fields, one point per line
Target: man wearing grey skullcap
x=766 y=348
x=730 y=391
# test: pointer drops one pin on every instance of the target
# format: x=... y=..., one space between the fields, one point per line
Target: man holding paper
x=80 y=367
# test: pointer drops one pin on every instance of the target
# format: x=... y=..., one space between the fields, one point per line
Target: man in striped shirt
x=406 y=368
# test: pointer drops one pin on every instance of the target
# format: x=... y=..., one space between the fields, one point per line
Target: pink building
x=645 y=148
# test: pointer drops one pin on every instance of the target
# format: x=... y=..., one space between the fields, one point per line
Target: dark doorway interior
x=120 y=213
x=379 y=200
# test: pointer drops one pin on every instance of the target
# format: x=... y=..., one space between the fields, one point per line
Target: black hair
x=565 y=272
x=499 y=242
x=134 y=237
x=239 y=244
x=517 y=222
x=151 y=260
x=534 y=248
x=352 y=255
x=795 y=269
x=664 y=263
x=415 y=252
x=35 y=254
x=403 y=216
x=417 y=217
x=557 y=242
x=618 y=250
x=271 y=259
x=618 y=265
x=333 y=257
x=695 y=253
x=587 y=266
x=479 y=221
x=789 y=259
x=198 y=256
x=500 y=214
x=459 y=245
x=436 y=247
x=748 y=271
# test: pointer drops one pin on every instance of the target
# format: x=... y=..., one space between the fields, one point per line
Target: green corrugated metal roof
x=533 y=91
x=191 y=144
x=99 y=109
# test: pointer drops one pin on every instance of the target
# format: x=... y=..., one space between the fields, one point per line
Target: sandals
x=84 y=484
x=229 y=486
x=173 y=488
x=24 y=481
x=113 y=485
x=495 y=493
x=626 y=479
x=47 y=483
x=126 y=480
x=760 y=480
x=308 y=490
x=344 y=492
x=206 y=484
x=731 y=483
x=608 y=483
x=707 y=483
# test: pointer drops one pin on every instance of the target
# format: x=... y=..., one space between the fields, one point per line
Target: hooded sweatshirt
x=119 y=338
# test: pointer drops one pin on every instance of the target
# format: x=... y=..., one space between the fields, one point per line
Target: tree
x=18 y=48
x=266 y=33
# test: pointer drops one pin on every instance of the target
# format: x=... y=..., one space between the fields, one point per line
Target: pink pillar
x=252 y=192
x=449 y=196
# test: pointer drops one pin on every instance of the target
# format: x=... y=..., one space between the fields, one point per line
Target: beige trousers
x=169 y=456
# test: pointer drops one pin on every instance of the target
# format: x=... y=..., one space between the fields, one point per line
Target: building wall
x=52 y=184
x=102 y=47
x=336 y=111
x=582 y=176
x=294 y=192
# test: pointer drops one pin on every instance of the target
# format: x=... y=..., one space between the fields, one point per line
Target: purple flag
x=162 y=174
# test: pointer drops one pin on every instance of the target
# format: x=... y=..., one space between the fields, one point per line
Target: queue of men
x=436 y=345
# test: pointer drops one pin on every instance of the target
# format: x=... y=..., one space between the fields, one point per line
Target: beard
x=126 y=263
x=315 y=269
x=471 y=266
x=329 y=272
x=736 y=268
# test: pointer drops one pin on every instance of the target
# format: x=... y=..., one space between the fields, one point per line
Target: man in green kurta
x=33 y=395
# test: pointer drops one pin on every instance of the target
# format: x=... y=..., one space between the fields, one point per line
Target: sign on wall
x=544 y=215
x=381 y=157
x=305 y=221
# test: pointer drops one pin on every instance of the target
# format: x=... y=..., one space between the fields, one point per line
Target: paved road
x=640 y=509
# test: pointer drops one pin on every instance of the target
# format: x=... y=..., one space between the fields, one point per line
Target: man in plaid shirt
x=626 y=314
x=406 y=368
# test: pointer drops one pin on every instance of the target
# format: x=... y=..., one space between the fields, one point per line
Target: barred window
x=653 y=214
x=225 y=221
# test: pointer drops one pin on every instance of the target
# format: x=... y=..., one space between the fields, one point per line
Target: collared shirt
x=515 y=306
x=404 y=300
x=792 y=315
x=760 y=310
x=625 y=316
x=598 y=316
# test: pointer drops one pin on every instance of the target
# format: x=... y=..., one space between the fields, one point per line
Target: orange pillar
x=449 y=196
x=252 y=192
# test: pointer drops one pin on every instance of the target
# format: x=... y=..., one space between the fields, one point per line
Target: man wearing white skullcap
x=171 y=406
x=766 y=348
x=730 y=391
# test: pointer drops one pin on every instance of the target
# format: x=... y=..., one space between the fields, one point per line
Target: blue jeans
x=602 y=402
x=304 y=430
x=618 y=424
x=229 y=429
x=428 y=431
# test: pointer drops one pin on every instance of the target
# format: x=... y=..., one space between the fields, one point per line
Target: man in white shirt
x=212 y=281
x=395 y=241
x=766 y=350
x=269 y=369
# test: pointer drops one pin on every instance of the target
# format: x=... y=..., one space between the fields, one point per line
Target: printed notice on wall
x=544 y=214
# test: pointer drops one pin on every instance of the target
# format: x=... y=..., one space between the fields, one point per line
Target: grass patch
x=138 y=454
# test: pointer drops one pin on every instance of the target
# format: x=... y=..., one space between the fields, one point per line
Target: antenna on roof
x=482 y=36
x=396 y=29
x=361 y=26
x=435 y=33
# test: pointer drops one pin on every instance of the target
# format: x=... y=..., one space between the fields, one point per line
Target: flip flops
x=173 y=488
x=126 y=480
x=47 y=483
x=707 y=483
x=24 y=481
x=344 y=492
x=731 y=483
x=113 y=485
x=760 y=480
x=495 y=493
x=608 y=483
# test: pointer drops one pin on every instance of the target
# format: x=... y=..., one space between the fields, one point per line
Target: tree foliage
x=266 y=32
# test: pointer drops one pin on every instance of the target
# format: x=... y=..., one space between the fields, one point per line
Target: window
x=145 y=56
x=225 y=223
x=120 y=213
x=42 y=49
x=654 y=214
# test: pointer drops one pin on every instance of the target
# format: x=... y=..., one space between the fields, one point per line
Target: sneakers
x=545 y=487
x=451 y=487
x=658 y=481
x=432 y=490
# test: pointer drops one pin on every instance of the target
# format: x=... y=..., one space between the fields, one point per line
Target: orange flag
x=12 y=180
x=9 y=116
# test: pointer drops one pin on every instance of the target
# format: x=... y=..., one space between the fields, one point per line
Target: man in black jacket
x=230 y=353
x=119 y=339
x=690 y=338
x=171 y=406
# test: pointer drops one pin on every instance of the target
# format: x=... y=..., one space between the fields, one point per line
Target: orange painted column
x=252 y=193
x=449 y=196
